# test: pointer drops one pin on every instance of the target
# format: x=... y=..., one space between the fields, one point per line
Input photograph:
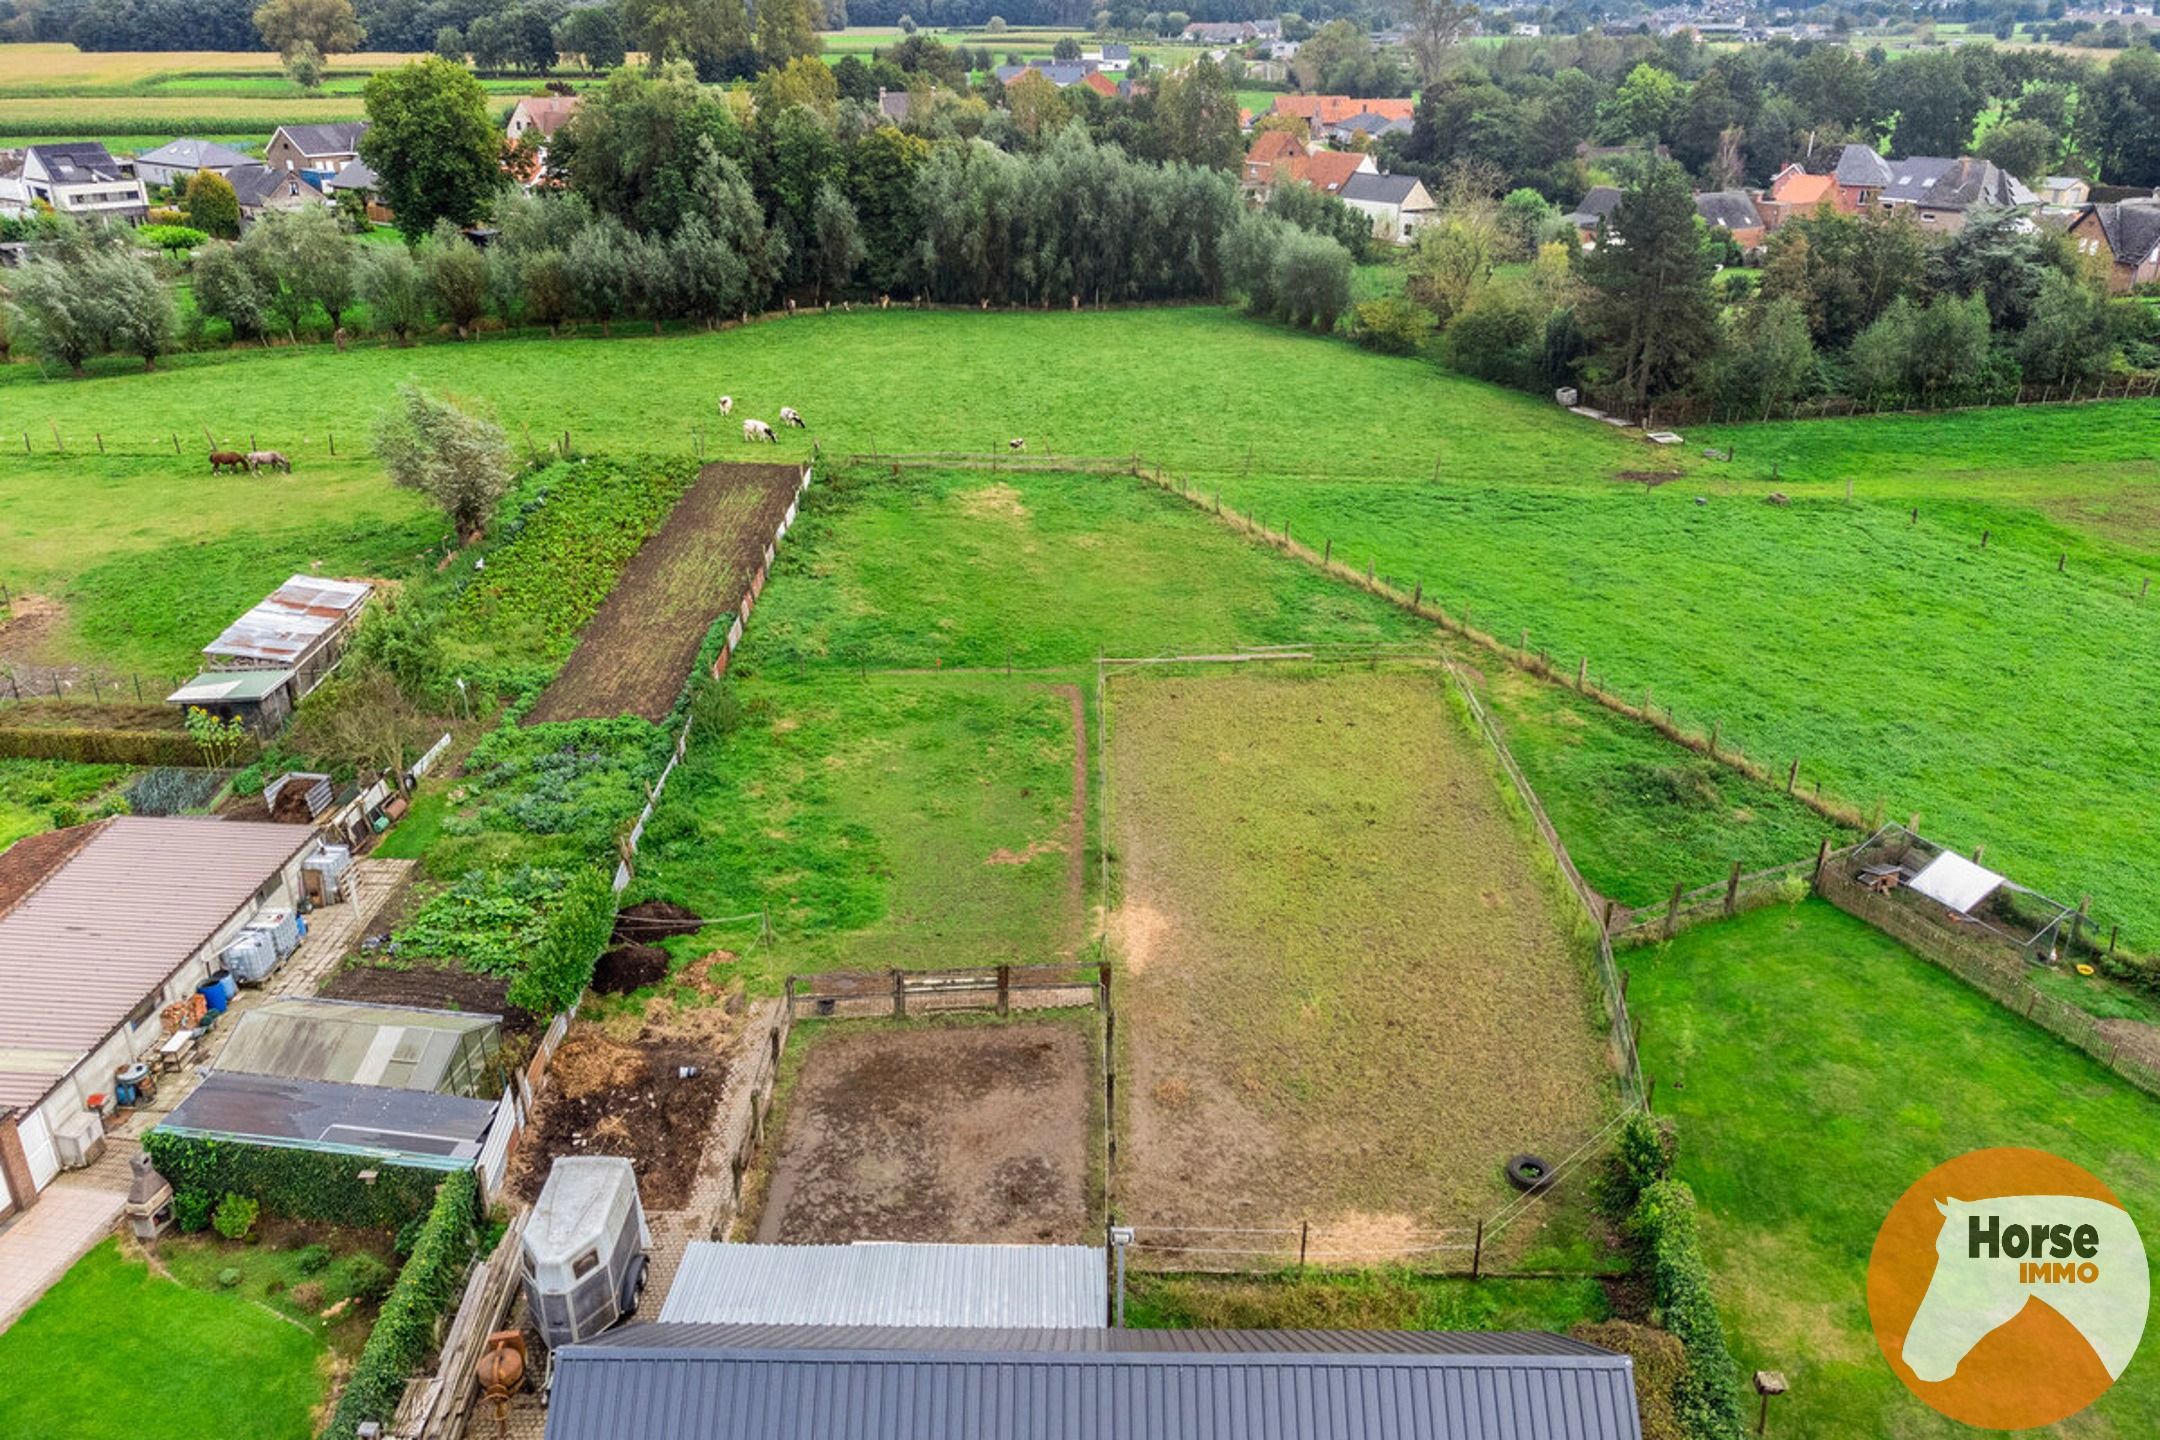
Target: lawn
x=114 y=1352
x=40 y=795
x=1349 y=988
x=1816 y=1069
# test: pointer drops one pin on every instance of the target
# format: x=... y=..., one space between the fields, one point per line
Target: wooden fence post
x=1582 y=675
x=899 y=993
x=1822 y=858
x=790 y=997
x=1004 y=989
x=1792 y=776
x=1477 y=1253
x=1732 y=889
x=1304 y=1238
x=1715 y=726
x=1672 y=910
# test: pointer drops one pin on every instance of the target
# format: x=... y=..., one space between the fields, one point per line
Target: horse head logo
x=1994 y=1257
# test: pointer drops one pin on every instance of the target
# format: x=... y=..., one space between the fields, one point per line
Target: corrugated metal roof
x=625 y=1392
x=413 y=1127
x=291 y=621
x=399 y=1047
x=228 y=685
x=1098 y=1339
x=112 y=923
x=1004 y=1286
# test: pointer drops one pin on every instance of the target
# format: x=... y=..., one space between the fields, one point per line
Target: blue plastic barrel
x=219 y=990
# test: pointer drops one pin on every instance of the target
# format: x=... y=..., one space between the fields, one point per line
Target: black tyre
x=1530 y=1174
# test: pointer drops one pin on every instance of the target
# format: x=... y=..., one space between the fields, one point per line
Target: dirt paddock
x=936 y=1132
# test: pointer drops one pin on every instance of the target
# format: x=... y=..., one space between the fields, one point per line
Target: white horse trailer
x=584 y=1249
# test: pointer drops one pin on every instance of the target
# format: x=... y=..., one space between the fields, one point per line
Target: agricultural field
x=178 y=1353
x=635 y=654
x=1349 y=990
x=1816 y=1069
x=961 y=1130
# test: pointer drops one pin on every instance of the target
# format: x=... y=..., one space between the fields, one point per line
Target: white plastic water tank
x=283 y=928
x=251 y=957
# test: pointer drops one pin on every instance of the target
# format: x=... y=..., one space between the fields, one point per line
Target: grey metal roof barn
x=407 y=1127
x=289 y=625
x=99 y=916
x=646 y=1382
x=398 y=1047
x=1049 y=1286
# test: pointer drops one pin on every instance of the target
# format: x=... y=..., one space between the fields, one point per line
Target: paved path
x=38 y=1245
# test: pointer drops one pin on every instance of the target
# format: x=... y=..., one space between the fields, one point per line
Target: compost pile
x=605 y=1097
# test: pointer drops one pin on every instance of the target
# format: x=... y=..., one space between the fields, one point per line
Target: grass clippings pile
x=1348 y=993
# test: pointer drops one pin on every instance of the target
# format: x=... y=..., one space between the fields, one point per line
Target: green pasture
x=1816 y=1070
x=41 y=795
x=1380 y=1299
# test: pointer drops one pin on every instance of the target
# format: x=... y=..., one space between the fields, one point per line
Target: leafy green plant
x=312 y=1259
x=298 y=1184
x=405 y=1329
x=1706 y=1397
x=191 y=1210
x=170 y=237
x=228 y=1277
x=219 y=740
x=236 y=1215
x=368 y=1278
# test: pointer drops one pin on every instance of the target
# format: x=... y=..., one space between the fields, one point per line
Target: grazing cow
x=758 y=430
x=727 y=404
x=791 y=305
x=1016 y=444
x=273 y=459
x=789 y=415
x=223 y=460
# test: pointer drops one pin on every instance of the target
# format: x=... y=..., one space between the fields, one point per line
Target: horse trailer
x=584 y=1249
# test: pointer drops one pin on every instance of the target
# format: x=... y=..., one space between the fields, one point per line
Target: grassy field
x=1349 y=992
x=114 y=1352
x=1381 y=1299
x=1817 y=1069
x=40 y=795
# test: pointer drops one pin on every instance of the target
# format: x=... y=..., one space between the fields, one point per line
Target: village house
x=177 y=161
x=2127 y=233
x=1111 y=58
x=1398 y=204
x=1942 y=191
x=1329 y=170
x=80 y=178
x=1232 y=32
x=1732 y=212
x=1060 y=73
x=2065 y=190
x=1793 y=191
x=540 y=116
x=1274 y=153
x=316 y=151
x=1320 y=112
x=1600 y=202
x=259 y=189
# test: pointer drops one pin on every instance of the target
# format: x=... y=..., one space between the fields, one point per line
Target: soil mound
x=627 y=967
x=649 y=921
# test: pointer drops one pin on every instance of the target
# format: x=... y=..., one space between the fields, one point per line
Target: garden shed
x=417 y=1128
x=300 y=627
x=397 y=1047
x=262 y=700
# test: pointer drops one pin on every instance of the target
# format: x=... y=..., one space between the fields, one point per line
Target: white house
x=177 y=161
x=1398 y=204
x=101 y=927
x=80 y=178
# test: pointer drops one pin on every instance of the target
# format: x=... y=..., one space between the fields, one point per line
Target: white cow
x=758 y=430
x=789 y=415
x=1016 y=444
x=727 y=404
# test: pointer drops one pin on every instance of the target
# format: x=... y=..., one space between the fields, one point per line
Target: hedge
x=298 y=1184
x=404 y=1333
x=559 y=968
x=1706 y=1398
x=102 y=747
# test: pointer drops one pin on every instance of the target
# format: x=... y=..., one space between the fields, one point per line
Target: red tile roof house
x=1272 y=153
x=102 y=926
x=1329 y=170
x=1320 y=111
x=544 y=113
x=1793 y=191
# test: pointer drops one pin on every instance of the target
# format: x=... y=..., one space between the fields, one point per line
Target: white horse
x=758 y=430
x=1978 y=1288
x=789 y=415
x=727 y=404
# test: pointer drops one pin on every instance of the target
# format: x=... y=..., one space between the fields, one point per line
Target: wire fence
x=1721 y=900
x=1690 y=410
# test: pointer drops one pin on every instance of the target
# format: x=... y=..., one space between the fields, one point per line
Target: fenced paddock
x=1349 y=993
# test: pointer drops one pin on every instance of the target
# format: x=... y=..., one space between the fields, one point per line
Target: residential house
x=1329 y=170
x=1273 y=152
x=2128 y=233
x=1365 y=126
x=2065 y=190
x=101 y=927
x=1101 y=84
x=1733 y=212
x=1943 y=190
x=1861 y=176
x=317 y=151
x=1793 y=191
x=1398 y=204
x=80 y=178
x=1232 y=32
x=14 y=194
x=177 y=161
x=356 y=178
x=1111 y=58
x=675 y=1381
x=1319 y=112
x=1587 y=216
x=1060 y=73
x=259 y=189
x=540 y=116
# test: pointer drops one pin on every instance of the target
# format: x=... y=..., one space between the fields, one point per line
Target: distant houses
x=260 y=189
x=175 y=163
x=80 y=178
x=1396 y=204
x=318 y=152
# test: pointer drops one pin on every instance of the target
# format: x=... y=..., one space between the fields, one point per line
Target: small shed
x=1944 y=889
x=260 y=699
x=1008 y=1286
x=301 y=627
x=401 y=1127
x=398 y=1047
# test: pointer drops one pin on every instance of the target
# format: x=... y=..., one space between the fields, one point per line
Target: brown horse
x=223 y=460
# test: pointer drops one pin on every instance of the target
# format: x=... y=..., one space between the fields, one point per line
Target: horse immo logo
x=2008 y=1288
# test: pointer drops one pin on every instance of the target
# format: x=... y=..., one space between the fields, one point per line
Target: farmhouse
x=708 y=1382
x=1793 y=191
x=2126 y=232
x=1364 y=126
x=540 y=116
x=1329 y=170
x=1319 y=112
x=101 y=927
x=2065 y=190
x=1398 y=204
x=1061 y=73
x=1586 y=217
x=1943 y=190
x=955 y=1286
x=317 y=151
x=1272 y=151
x=259 y=189
x=177 y=161
x=81 y=178
x=1733 y=213
x=396 y=1047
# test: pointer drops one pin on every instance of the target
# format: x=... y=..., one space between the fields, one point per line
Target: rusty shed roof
x=291 y=622
x=111 y=923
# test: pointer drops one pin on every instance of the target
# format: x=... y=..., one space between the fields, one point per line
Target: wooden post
x=1649 y=1103
x=1582 y=675
x=100 y=440
x=1792 y=776
x=1327 y=555
x=1605 y=927
x=1822 y=857
x=1984 y=538
x=1732 y=889
x=2077 y=921
x=333 y=441
x=1672 y=910
x=899 y=993
x=1418 y=598
x=2061 y=560
x=2113 y=931
x=1715 y=725
x=1477 y=1252
x=1978 y=851
x=176 y=443
x=1004 y=989
x=1304 y=1239
x=790 y=984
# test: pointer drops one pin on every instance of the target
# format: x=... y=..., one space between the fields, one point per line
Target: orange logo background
x=2036 y=1369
